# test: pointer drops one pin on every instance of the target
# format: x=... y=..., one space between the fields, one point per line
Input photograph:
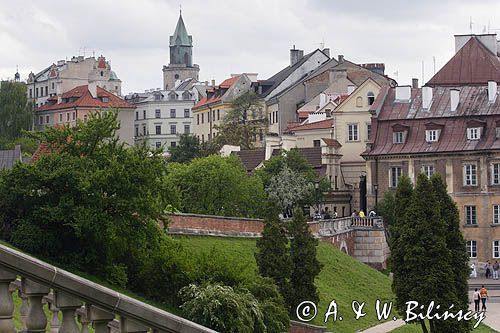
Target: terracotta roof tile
x=218 y=92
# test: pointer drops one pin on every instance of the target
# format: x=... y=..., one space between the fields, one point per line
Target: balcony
x=81 y=302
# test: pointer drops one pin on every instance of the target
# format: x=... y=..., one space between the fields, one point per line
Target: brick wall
x=344 y=242
x=215 y=225
x=298 y=327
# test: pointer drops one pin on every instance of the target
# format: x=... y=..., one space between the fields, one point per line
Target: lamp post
x=375 y=188
x=316 y=187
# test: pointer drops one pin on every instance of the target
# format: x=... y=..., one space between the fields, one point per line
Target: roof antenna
x=470 y=24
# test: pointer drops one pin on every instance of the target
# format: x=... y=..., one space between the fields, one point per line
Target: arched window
x=359 y=101
x=371 y=98
x=102 y=73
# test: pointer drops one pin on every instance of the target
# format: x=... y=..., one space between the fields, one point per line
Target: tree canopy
x=187 y=149
x=16 y=113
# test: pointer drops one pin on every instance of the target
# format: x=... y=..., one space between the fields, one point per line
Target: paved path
x=385 y=327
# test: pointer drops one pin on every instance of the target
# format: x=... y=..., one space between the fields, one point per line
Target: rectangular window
x=60 y=117
x=470 y=215
x=495 y=174
x=46 y=90
x=470 y=175
x=157 y=113
x=213 y=115
x=36 y=92
x=496 y=249
x=398 y=137
x=270 y=119
x=352 y=134
x=218 y=114
x=197 y=119
x=74 y=115
x=31 y=92
x=67 y=116
x=52 y=85
x=172 y=113
x=428 y=170
x=173 y=129
x=368 y=131
x=203 y=138
x=137 y=131
x=158 y=129
x=40 y=120
x=472 y=248
x=136 y=115
x=395 y=174
x=186 y=113
x=186 y=129
x=496 y=214
x=158 y=144
x=47 y=119
x=143 y=114
x=202 y=118
x=317 y=143
x=143 y=129
x=431 y=135
x=473 y=133
x=173 y=144
x=208 y=116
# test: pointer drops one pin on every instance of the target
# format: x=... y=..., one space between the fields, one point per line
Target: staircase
x=89 y=303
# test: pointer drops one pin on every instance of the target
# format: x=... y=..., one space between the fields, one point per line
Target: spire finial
x=180 y=9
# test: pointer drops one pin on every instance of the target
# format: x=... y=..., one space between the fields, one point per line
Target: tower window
x=176 y=76
x=102 y=73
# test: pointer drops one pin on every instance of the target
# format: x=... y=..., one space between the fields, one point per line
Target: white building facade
x=162 y=116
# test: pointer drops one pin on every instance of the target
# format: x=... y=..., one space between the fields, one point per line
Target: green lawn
x=342 y=278
x=416 y=329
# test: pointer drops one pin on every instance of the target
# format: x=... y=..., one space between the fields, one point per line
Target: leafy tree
x=287 y=188
x=28 y=145
x=459 y=259
x=187 y=149
x=305 y=263
x=16 y=113
x=293 y=159
x=387 y=208
x=216 y=185
x=91 y=204
x=422 y=239
x=273 y=256
x=243 y=122
x=222 y=308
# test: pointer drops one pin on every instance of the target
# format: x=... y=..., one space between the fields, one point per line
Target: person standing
x=361 y=213
x=484 y=296
x=487 y=268
x=496 y=266
x=477 y=298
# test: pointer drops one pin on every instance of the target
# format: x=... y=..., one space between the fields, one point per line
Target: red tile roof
x=332 y=142
x=83 y=98
x=472 y=64
x=217 y=92
x=473 y=110
x=322 y=124
x=102 y=62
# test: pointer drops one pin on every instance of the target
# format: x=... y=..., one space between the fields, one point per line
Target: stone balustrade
x=341 y=225
x=81 y=302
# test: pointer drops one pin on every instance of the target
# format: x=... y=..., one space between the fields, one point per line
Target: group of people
x=492 y=270
x=361 y=213
x=325 y=214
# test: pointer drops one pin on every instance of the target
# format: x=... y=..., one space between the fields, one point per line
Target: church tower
x=181 y=65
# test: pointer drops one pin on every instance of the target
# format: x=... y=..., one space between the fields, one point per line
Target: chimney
x=426 y=97
x=213 y=83
x=93 y=89
x=259 y=90
x=341 y=58
x=326 y=51
x=403 y=93
x=295 y=55
x=322 y=100
x=350 y=89
x=414 y=83
x=454 y=99
x=492 y=91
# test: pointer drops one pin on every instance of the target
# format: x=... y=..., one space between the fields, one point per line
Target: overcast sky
x=235 y=36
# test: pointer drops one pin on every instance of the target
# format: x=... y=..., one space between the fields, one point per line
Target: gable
x=351 y=103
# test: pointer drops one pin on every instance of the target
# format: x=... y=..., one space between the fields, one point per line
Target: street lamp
x=375 y=188
x=316 y=187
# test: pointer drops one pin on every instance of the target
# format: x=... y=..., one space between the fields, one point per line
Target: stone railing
x=338 y=226
x=39 y=283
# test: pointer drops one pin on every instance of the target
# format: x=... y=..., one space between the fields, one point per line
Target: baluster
x=6 y=303
x=55 y=324
x=23 y=311
x=132 y=326
x=68 y=306
x=99 y=318
x=35 y=320
x=83 y=319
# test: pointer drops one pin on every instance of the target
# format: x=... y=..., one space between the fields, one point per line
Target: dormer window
x=398 y=137
x=474 y=133
x=105 y=99
x=432 y=135
x=371 y=98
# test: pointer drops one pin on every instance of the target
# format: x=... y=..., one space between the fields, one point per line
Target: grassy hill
x=342 y=278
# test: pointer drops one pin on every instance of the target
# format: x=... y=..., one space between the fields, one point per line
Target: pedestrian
x=372 y=213
x=487 y=267
x=354 y=213
x=361 y=213
x=484 y=295
x=477 y=299
x=473 y=271
x=496 y=266
x=335 y=214
x=326 y=214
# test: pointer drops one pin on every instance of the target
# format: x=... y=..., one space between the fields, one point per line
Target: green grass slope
x=342 y=278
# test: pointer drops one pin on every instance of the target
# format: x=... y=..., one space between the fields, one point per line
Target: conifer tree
x=396 y=228
x=427 y=267
x=458 y=255
x=305 y=263
x=273 y=256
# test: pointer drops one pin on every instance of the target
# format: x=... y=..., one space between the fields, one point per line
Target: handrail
x=93 y=293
